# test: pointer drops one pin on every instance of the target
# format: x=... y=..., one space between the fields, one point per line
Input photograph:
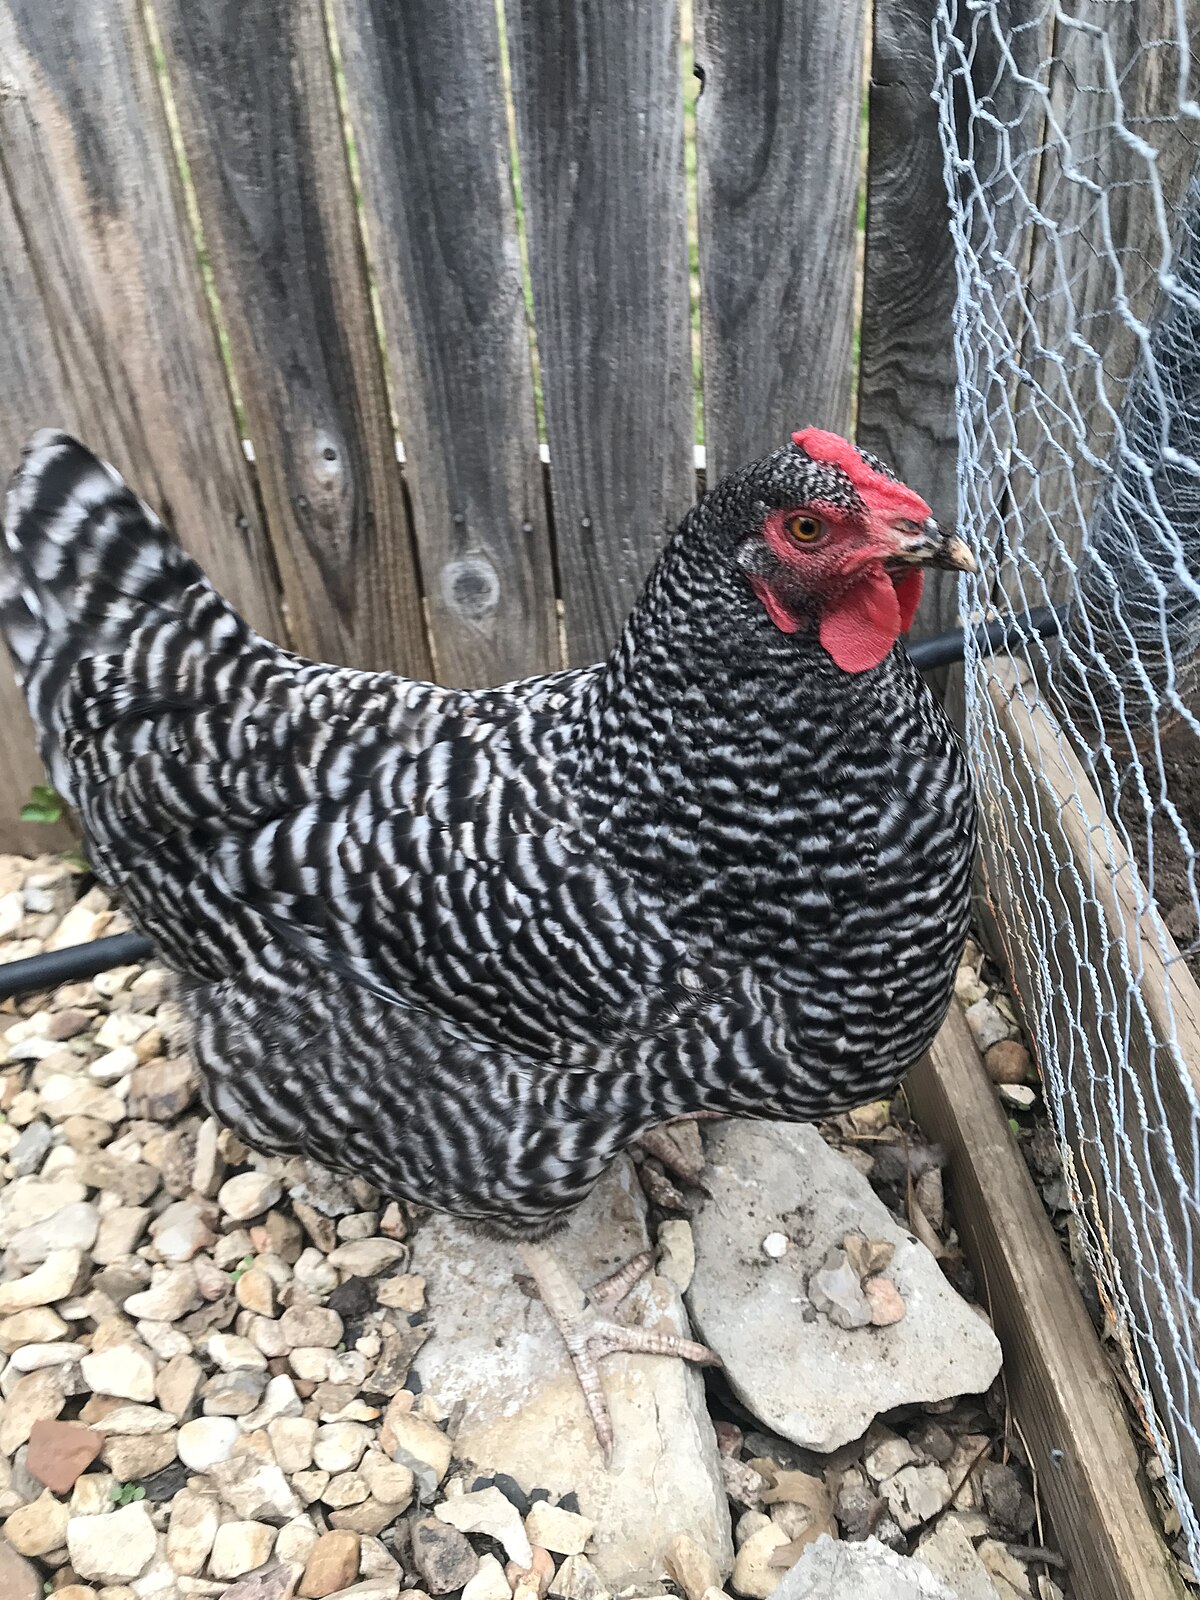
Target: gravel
x=207 y=1356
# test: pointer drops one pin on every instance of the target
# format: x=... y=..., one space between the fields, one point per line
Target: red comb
x=883 y=495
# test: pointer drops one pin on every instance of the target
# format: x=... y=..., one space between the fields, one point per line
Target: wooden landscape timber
x=1129 y=1013
x=1056 y=1377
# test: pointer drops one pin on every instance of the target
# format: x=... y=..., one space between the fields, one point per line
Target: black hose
x=72 y=965
x=81 y=961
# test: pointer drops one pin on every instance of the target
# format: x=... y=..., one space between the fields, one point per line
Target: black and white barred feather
x=471 y=944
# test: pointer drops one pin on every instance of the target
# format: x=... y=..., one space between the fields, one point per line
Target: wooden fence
x=306 y=226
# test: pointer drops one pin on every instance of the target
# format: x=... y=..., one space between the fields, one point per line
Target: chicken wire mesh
x=1071 y=134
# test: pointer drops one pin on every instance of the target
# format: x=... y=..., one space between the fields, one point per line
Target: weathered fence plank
x=1096 y=255
x=31 y=379
x=907 y=368
x=87 y=156
x=442 y=232
x=778 y=133
x=263 y=136
x=599 y=102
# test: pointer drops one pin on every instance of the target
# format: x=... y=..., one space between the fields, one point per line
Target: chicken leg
x=590 y=1329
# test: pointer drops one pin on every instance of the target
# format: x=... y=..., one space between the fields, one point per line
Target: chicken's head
x=839 y=543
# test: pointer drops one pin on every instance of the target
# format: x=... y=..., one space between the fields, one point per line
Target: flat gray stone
x=799 y=1374
x=833 y=1570
x=496 y=1350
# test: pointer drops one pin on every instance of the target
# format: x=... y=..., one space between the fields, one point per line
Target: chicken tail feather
x=83 y=563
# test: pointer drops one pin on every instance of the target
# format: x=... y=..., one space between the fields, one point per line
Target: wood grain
x=1061 y=884
x=1056 y=1377
x=907 y=365
x=437 y=187
x=1096 y=254
x=86 y=154
x=599 y=102
x=778 y=133
x=32 y=381
x=262 y=130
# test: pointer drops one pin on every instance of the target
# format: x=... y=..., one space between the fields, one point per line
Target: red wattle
x=909 y=587
x=779 y=614
x=864 y=624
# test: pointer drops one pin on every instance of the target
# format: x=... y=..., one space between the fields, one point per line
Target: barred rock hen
x=472 y=944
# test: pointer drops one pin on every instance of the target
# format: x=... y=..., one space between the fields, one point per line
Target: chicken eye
x=804 y=529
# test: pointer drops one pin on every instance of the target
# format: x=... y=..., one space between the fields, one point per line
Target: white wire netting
x=1071 y=136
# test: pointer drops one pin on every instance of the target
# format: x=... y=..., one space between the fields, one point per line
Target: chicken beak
x=924 y=544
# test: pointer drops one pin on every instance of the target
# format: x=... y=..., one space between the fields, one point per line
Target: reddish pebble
x=60 y=1451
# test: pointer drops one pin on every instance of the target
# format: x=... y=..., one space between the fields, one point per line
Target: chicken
x=470 y=944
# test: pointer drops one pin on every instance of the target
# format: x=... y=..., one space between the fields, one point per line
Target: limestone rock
x=487 y=1511
x=331 y=1565
x=833 y=1570
x=114 y=1547
x=54 y=1280
x=442 y=1556
x=810 y=1381
x=523 y=1412
x=39 y=1527
x=193 y=1526
x=240 y=1547
x=125 y=1370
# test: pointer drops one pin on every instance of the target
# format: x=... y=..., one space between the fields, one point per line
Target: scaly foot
x=590 y=1330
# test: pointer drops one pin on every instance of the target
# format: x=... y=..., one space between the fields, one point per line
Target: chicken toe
x=590 y=1331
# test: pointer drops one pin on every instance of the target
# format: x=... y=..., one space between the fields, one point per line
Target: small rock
x=39 y=1325
x=885 y=1301
x=280 y=1399
x=340 y=1446
x=177 y=1384
x=207 y=1441
x=987 y=1024
x=124 y=1419
x=405 y=1292
x=133 y=1182
x=248 y=1195
x=30 y=1150
x=195 y=1518
x=332 y=1565
x=835 y=1570
x=255 y=1490
x=54 y=1280
x=577 y=1579
x=34 y=1357
x=311 y=1325
x=131 y=1460
x=950 y=1555
x=72 y=1228
x=1006 y=1499
x=389 y=1481
x=369 y=1517
x=775 y=1245
x=255 y=1291
x=1007 y=1061
x=488 y=1511
x=36 y=1529
x=181 y=1232
x=171 y=1296
x=836 y=1291
x=119 y=1234
x=18 y=1580
x=32 y=1398
x=753 y=1573
x=162 y=1090
x=232 y=1353
x=857 y=1507
x=690 y=1565
x=60 y=1451
x=1017 y=1096
x=125 y=1370
x=1009 y=1577
x=345 y=1489
x=915 y=1495
x=240 y=1547
x=122 y=1028
x=418 y=1445
x=887 y=1458
x=293 y=1440
x=442 y=1556
x=364 y=1258
x=232 y=1394
x=489 y=1582
x=115 y=1547
x=562 y=1532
